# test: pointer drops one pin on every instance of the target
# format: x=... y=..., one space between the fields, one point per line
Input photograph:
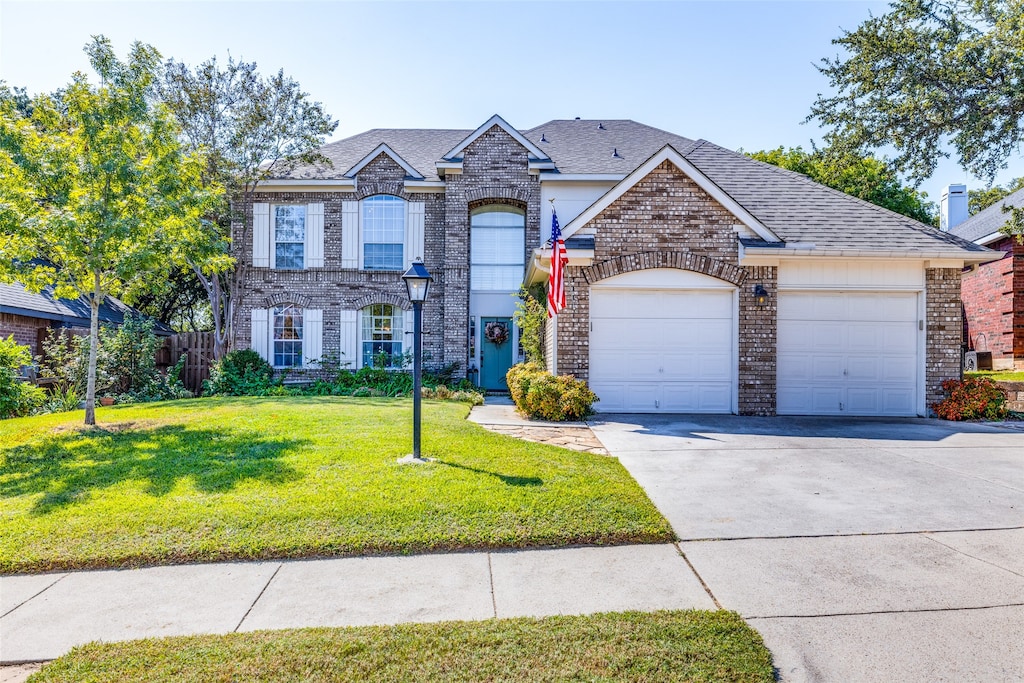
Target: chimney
x=953 y=207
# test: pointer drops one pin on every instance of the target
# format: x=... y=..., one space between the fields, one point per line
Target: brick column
x=758 y=341
x=944 y=329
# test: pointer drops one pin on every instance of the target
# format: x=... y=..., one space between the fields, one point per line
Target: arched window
x=382 y=336
x=497 y=248
x=287 y=336
x=383 y=232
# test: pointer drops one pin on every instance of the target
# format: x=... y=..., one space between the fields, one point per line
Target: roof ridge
x=990 y=209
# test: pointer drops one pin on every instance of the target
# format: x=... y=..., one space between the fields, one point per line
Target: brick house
x=993 y=292
x=699 y=280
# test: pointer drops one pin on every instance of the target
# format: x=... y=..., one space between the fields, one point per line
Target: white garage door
x=843 y=353
x=662 y=350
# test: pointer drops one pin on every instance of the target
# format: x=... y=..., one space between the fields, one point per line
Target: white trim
x=536 y=152
x=306 y=184
x=424 y=185
x=669 y=153
x=555 y=176
x=989 y=239
x=383 y=148
x=961 y=257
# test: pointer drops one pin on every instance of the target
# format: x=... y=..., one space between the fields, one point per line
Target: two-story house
x=699 y=280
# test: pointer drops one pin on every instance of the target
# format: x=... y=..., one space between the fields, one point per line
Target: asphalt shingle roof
x=14 y=298
x=989 y=220
x=790 y=204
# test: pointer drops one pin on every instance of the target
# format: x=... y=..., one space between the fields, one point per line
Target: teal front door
x=495 y=356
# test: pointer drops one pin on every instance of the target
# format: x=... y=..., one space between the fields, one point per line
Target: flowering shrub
x=539 y=394
x=972 y=398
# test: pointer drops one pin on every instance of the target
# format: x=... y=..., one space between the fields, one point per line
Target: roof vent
x=600 y=126
x=577 y=118
x=542 y=138
x=615 y=153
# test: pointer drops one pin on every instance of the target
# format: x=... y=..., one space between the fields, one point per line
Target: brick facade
x=25 y=330
x=758 y=329
x=993 y=299
x=944 y=329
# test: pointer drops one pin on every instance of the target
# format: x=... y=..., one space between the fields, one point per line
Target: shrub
x=539 y=394
x=240 y=373
x=442 y=393
x=17 y=398
x=531 y=316
x=972 y=398
x=66 y=359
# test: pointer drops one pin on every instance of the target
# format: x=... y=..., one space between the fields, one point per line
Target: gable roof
x=989 y=220
x=17 y=300
x=456 y=151
x=383 y=148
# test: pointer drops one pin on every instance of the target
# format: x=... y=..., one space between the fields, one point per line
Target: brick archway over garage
x=681 y=260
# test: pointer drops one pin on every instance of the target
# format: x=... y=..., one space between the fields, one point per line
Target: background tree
x=927 y=74
x=97 y=191
x=864 y=177
x=977 y=200
x=247 y=128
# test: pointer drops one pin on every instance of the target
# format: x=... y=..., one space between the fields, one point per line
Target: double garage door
x=839 y=353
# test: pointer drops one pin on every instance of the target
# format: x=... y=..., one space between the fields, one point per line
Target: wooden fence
x=199 y=347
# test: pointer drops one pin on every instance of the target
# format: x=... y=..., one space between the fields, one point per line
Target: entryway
x=495 y=352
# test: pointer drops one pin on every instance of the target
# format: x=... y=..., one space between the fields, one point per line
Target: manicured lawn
x=661 y=646
x=216 y=479
x=1001 y=375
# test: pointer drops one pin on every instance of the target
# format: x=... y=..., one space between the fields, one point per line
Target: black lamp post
x=417 y=282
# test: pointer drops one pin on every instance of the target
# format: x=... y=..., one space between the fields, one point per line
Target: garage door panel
x=860 y=358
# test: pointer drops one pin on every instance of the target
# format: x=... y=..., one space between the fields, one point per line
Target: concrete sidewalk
x=45 y=615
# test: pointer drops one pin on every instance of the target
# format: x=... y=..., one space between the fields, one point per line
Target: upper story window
x=289 y=231
x=497 y=248
x=382 y=336
x=383 y=227
x=287 y=336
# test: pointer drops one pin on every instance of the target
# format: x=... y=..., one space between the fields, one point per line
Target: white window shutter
x=312 y=336
x=350 y=356
x=408 y=328
x=261 y=235
x=261 y=333
x=350 y=234
x=314 y=247
x=414 y=232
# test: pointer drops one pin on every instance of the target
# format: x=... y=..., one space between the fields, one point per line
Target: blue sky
x=740 y=74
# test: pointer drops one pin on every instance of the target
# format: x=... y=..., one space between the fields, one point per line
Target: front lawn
x=662 y=646
x=999 y=375
x=218 y=478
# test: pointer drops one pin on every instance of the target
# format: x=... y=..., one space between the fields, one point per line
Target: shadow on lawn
x=507 y=479
x=69 y=467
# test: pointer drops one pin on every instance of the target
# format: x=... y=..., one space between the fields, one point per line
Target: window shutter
x=314 y=247
x=312 y=336
x=350 y=234
x=414 y=232
x=260 y=342
x=350 y=356
x=408 y=328
x=261 y=235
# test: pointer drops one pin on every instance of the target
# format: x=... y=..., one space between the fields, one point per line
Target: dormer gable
x=383 y=148
x=451 y=161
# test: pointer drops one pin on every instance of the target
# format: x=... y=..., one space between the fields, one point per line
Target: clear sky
x=740 y=74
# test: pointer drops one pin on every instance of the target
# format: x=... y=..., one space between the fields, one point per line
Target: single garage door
x=846 y=353
x=656 y=350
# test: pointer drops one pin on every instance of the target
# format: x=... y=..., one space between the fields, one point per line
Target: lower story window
x=287 y=336
x=382 y=336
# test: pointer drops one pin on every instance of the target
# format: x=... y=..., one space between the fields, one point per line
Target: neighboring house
x=670 y=242
x=28 y=316
x=993 y=293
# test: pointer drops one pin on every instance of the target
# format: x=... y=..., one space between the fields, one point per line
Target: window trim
x=362 y=234
x=300 y=339
x=273 y=234
x=490 y=208
x=397 y=333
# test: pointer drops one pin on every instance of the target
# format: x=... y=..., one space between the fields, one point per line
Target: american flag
x=556 y=279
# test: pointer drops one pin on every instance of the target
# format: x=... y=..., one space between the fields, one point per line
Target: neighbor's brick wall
x=988 y=299
x=758 y=343
x=24 y=329
x=944 y=329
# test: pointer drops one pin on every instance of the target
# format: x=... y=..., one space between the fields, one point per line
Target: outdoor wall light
x=760 y=295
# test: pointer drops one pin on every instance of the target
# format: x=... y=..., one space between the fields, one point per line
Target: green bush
x=541 y=395
x=972 y=398
x=17 y=398
x=442 y=393
x=240 y=373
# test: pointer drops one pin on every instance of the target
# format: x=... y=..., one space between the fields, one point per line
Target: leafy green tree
x=247 y=128
x=864 y=177
x=978 y=200
x=927 y=74
x=97 y=193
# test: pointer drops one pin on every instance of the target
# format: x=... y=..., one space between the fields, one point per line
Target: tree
x=247 y=128
x=927 y=74
x=978 y=200
x=864 y=177
x=97 y=192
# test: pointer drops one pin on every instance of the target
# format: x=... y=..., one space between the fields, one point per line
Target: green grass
x=218 y=479
x=1001 y=375
x=662 y=646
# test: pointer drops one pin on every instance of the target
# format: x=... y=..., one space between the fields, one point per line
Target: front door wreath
x=496 y=332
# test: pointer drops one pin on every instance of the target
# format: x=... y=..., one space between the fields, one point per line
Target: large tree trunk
x=94 y=342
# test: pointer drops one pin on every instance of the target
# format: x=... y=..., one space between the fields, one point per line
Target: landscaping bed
x=254 y=478
x=661 y=646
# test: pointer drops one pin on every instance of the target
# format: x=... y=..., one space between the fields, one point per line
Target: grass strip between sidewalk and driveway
x=257 y=478
x=632 y=646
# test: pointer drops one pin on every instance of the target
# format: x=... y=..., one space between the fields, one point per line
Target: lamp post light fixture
x=417 y=282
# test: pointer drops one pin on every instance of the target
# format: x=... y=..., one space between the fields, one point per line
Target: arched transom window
x=497 y=248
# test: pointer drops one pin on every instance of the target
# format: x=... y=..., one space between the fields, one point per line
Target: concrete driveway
x=862 y=550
